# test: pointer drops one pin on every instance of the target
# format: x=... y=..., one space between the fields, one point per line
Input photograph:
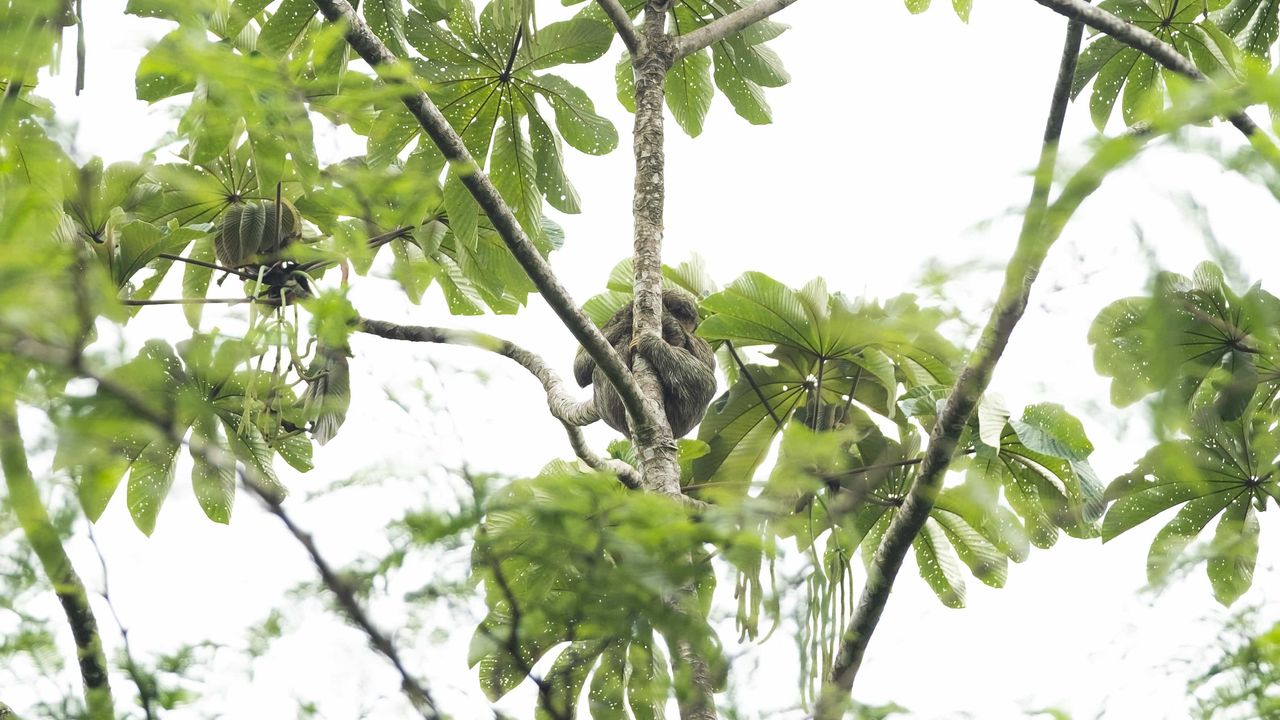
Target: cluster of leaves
x=850 y=390
x=1222 y=38
x=740 y=67
x=569 y=557
x=1242 y=681
x=1211 y=358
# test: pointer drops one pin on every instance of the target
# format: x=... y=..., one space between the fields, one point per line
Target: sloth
x=683 y=362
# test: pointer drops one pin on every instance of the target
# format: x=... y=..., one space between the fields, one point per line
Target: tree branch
x=621 y=20
x=220 y=459
x=726 y=25
x=1144 y=42
x=24 y=498
x=347 y=600
x=374 y=52
x=1033 y=245
x=570 y=411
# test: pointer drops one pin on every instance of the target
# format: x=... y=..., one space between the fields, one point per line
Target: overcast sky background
x=901 y=140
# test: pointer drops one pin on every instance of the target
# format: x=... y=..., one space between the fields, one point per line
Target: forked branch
x=373 y=51
x=727 y=25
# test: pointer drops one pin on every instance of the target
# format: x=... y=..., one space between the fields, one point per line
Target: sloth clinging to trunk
x=683 y=362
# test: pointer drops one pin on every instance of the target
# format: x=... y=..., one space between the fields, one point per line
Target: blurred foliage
x=828 y=404
x=1243 y=680
x=1209 y=358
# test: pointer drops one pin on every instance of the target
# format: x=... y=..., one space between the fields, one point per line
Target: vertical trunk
x=655 y=445
x=24 y=498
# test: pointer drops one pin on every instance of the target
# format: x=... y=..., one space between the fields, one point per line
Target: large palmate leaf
x=1115 y=67
x=1224 y=469
x=202 y=388
x=1253 y=23
x=1196 y=342
x=485 y=71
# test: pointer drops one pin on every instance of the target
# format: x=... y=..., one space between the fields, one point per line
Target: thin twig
x=211 y=266
x=146 y=687
x=570 y=411
x=742 y=370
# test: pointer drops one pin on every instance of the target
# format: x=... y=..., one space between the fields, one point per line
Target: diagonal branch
x=1145 y=43
x=564 y=407
x=726 y=25
x=621 y=20
x=223 y=461
x=374 y=52
x=1033 y=245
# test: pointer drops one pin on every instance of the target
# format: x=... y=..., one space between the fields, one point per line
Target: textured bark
x=1033 y=245
x=655 y=444
x=374 y=52
x=24 y=498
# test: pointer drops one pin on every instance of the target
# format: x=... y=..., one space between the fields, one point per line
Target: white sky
x=897 y=141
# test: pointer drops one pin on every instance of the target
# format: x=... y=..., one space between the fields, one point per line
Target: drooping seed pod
x=247 y=233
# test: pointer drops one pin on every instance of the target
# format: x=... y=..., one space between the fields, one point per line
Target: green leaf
x=1234 y=551
x=215 y=487
x=649 y=683
x=1108 y=85
x=253 y=451
x=196 y=278
x=549 y=156
x=515 y=175
x=386 y=19
x=746 y=96
x=984 y=560
x=149 y=482
x=688 y=91
x=285 y=29
x=938 y=565
x=565 y=680
x=915 y=7
x=992 y=418
x=625 y=77
x=576 y=116
x=574 y=41
x=1049 y=429
x=1174 y=537
x=160 y=72
x=295 y=450
x=462 y=209
x=608 y=683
